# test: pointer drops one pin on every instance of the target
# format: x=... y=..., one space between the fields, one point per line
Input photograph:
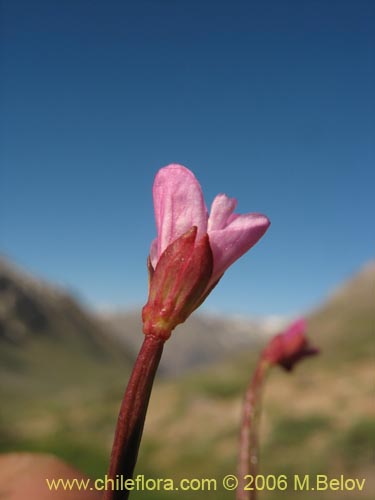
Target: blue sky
x=270 y=102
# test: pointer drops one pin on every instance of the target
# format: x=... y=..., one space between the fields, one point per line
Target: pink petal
x=297 y=328
x=238 y=237
x=221 y=209
x=178 y=205
x=290 y=346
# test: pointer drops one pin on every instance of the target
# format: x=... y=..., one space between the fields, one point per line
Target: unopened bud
x=177 y=284
x=289 y=347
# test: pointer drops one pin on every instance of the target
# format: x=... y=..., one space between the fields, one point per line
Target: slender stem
x=249 y=447
x=132 y=415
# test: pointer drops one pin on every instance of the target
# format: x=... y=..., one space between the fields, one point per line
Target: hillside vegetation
x=317 y=420
x=58 y=369
x=62 y=385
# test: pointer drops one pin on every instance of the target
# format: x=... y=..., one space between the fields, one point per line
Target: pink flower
x=218 y=240
x=290 y=346
x=179 y=205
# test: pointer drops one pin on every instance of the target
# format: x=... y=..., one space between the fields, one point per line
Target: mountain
x=59 y=371
x=49 y=343
x=61 y=385
x=347 y=318
x=204 y=339
x=318 y=419
x=32 y=310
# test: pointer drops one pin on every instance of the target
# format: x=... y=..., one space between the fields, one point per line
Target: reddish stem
x=249 y=447
x=132 y=415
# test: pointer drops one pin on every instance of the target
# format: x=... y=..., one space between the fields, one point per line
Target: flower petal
x=238 y=237
x=296 y=329
x=221 y=209
x=178 y=205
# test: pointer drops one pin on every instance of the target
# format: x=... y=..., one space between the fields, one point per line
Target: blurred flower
x=285 y=349
x=192 y=249
x=290 y=346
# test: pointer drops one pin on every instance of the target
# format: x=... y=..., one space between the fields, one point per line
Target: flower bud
x=177 y=284
x=289 y=347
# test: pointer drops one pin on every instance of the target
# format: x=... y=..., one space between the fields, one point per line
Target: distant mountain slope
x=347 y=314
x=61 y=389
x=202 y=340
x=345 y=323
x=318 y=419
x=46 y=336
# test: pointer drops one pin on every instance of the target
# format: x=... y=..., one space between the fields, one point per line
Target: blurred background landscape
x=271 y=102
x=63 y=369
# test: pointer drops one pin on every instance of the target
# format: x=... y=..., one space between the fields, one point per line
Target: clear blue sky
x=268 y=101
